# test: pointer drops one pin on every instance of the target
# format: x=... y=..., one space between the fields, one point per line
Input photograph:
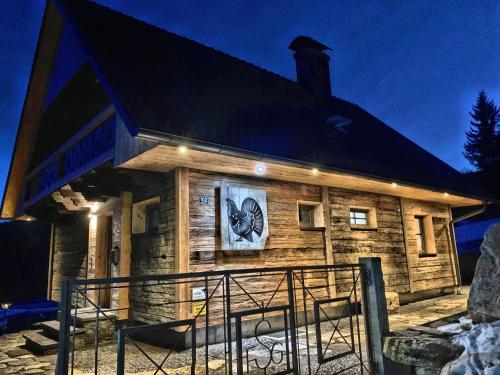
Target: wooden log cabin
x=130 y=136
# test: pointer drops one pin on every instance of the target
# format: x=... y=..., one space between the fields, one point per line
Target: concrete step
x=51 y=329
x=38 y=343
x=88 y=315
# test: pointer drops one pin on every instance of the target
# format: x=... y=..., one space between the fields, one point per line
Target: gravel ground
x=179 y=362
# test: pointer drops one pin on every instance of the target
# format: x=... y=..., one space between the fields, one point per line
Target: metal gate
x=287 y=320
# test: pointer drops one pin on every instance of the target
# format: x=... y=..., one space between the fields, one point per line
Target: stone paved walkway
x=15 y=360
x=422 y=312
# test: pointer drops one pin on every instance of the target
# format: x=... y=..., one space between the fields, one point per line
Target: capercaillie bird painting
x=247 y=220
x=243 y=218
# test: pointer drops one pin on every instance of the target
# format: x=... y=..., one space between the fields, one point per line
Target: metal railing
x=288 y=320
x=89 y=147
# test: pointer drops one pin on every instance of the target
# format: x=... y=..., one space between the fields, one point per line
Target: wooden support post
x=374 y=311
x=328 y=241
x=453 y=249
x=51 y=261
x=409 y=262
x=101 y=258
x=182 y=239
x=125 y=249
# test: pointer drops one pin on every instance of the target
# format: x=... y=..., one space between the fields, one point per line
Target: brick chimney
x=313 y=71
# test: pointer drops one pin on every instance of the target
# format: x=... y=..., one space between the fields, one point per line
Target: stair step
x=51 y=329
x=39 y=343
x=86 y=315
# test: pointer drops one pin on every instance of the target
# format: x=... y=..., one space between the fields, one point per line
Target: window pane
x=420 y=232
x=359 y=217
x=306 y=214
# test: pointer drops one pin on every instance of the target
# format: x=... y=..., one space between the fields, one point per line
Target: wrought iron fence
x=289 y=320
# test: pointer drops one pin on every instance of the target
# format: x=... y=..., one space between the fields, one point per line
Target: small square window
x=310 y=215
x=306 y=215
x=146 y=216
x=359 y=217
x=363 y=218
x=152 y=217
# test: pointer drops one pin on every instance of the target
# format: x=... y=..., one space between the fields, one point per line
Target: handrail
x=118 y=280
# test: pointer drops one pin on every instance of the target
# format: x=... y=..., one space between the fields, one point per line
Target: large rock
x=424 y=354
x=484 y=298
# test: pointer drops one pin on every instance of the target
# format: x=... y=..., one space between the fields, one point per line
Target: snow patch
x=482 y=350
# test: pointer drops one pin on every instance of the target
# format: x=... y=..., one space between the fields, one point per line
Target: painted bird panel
x=247 y=220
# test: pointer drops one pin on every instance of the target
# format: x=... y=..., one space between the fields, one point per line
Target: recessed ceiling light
x=315 y=171
x=182 y=149
x=260 y=169
x=394 y=184
x=446 y=194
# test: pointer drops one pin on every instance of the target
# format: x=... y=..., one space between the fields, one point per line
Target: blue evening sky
x=416 y=65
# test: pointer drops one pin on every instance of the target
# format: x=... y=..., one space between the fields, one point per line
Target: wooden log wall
x=386 y=241
x=287 y=245
x=429 y=272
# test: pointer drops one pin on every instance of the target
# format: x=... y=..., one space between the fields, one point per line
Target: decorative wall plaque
x=244 y=224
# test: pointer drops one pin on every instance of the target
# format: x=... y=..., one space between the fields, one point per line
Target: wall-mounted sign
x=199 y=296
x=203 y=199
x=244 y=223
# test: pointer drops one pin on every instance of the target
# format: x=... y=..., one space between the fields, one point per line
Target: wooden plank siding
x=434 y=271
x=386 y=241
x=286 y=245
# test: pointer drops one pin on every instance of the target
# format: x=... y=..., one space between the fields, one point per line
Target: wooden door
x=104 y=243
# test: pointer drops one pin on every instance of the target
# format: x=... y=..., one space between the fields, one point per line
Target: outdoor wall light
x=115 y=255
x=394 y=184
x=315 y=171
x=182 y=149
x=446 y=194
x=260 y=169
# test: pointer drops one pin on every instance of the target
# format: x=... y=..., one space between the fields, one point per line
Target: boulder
x=392 y=299
x=481 y=354
x=484 y=297
x=424 y=354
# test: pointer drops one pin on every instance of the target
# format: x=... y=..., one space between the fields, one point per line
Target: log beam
x=125 y=250
x=182 y=238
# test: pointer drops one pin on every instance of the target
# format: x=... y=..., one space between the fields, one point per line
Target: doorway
x=104 y=244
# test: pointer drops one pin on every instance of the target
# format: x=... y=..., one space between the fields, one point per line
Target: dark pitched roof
x=163 y=82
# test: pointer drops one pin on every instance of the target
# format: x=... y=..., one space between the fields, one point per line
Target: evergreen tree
x=483 y=137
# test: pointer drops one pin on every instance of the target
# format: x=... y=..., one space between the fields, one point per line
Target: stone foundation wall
x=153 y=253
x=71 y=243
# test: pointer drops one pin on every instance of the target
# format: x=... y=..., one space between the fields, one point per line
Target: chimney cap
x=302 y=42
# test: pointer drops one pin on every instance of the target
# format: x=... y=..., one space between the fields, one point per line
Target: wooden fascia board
x=163 y=158
x=45 y=53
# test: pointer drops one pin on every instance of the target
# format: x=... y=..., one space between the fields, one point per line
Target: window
x=310 y=215
x=363 y=218
x=152 y=217
x=424 y=233
x=306 y=215
x=359 y=217
x=146 y=216
x=420 y=232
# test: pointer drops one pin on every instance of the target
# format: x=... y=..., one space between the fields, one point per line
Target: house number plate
x=203 y=200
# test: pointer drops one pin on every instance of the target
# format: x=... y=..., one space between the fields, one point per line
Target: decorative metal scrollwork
x=268 y=347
